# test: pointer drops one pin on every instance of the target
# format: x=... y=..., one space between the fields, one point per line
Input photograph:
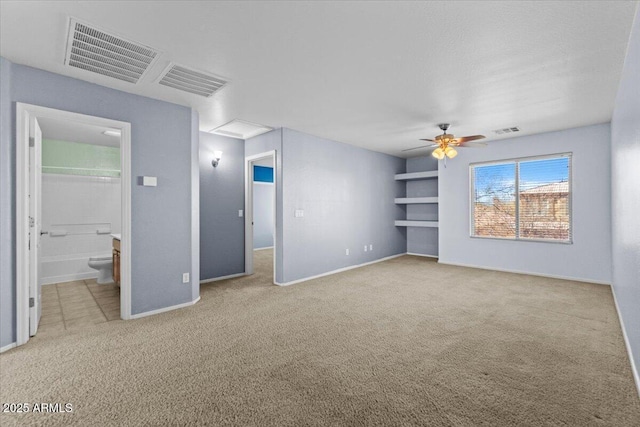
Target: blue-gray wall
x=221 y=197
x=7 y=211
x=347 y=195
x=422 y=240
x=263 y=214
x=161 y=146
x=625 y=196
x=262 y=144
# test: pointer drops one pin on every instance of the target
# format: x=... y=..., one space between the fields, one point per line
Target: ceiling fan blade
x=431 y=140
x=469 y=138
x=473 y=144
x=422 y=146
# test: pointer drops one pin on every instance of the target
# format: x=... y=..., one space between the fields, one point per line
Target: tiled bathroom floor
x=73 y=305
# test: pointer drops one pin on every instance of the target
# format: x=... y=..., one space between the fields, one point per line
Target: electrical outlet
x=365 y=248
x=346 y=252
x=240 y=213
x=185 y=277
x=370 y=247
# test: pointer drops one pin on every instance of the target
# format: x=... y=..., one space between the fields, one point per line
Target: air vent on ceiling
x=241 y=129
x=99 y=52
x=507 y=130
x=192 y=81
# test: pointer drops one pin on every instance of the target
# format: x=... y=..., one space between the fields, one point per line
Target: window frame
x=516 y=161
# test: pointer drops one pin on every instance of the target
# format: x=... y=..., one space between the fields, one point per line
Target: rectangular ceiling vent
x=192 y=81
x=241 y=129
x=99 y=52
x=507 y=130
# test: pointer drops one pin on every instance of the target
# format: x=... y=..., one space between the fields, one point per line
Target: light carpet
x=403 y=342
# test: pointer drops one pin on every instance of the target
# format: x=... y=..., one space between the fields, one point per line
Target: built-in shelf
x=410 y=223
x=416 y=175
x=415 y=200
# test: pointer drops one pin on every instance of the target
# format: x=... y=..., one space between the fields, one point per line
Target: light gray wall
x=7 y=210
x=588 y=258
x=422 y=240
x=347 y=194
x=161 y=146
x=262 y=144
x=195 y=205
x=625 y=196
x=263 y=214
x=221 y=196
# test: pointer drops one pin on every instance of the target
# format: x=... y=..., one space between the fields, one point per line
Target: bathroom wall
x=81 y=207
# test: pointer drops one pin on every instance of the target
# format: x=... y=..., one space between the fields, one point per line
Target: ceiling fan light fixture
x=450 y=152
x=438 y=153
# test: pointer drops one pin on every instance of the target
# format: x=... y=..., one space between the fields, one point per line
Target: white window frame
x=517 y=162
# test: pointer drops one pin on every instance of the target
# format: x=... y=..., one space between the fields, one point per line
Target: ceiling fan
x=444 y=144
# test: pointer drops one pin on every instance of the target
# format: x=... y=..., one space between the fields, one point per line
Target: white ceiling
x=76 y=132
x=378 y=75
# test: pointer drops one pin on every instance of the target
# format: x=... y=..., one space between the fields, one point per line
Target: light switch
x=299 y=213
x=240 y=213
x=150 y=181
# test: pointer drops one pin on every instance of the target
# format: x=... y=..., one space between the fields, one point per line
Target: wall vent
x=241 y=129
x=99 y=52
x=192 y=81
x=507 y=130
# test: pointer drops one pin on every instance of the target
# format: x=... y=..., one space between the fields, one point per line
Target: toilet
x=104 y=265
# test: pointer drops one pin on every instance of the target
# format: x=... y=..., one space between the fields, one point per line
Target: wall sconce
x=217 y=155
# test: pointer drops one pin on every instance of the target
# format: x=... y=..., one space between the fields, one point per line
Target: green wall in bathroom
x=75 y=158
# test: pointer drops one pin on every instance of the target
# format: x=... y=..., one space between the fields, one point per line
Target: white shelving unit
x=416 y=200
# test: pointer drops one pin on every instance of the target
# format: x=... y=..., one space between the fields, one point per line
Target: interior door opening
x=73 y=198
x=260 y=217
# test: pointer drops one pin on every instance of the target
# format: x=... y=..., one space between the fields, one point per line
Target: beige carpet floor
x=402 y=342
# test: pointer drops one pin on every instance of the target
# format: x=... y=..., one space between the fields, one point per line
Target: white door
x=35 y=227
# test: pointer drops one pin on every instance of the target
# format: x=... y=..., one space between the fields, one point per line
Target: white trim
x=634 y=370
x=217 y=279
x=164 y=309
x=340 y=270
x=422 y=255
x=68 y=278
x=24 y=112
x=8 y=347
x=529 y=273
x=262 y=183
x=248 y=209
x=262 y=249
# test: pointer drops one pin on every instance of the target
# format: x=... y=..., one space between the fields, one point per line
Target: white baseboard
x=68 y=278
x=340 y=270
x=162 y=310
x=423 y=255
x=216 y=279
x=262 y=249
x=634 y=370
x=529 y=273
x=8 y=347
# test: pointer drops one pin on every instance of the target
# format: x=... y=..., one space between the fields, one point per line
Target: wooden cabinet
x=116 y=261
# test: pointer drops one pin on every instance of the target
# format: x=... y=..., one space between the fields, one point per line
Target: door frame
x=24 y=112
x=248 y=210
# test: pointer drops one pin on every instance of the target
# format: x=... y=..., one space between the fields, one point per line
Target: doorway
x=29 y=210
x=260 y=210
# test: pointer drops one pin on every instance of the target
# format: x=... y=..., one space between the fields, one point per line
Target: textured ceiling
x=378 y=75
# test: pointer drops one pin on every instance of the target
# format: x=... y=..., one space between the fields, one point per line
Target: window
x=522 y=199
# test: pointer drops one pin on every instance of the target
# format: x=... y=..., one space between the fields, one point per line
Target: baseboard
x=627 y=344
x=423 y=255
x=340 y=270
x=68 y=278
x=216 y=279
x=262 y=249
x=162 y=310
x=8 y=347
x=528 y=273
